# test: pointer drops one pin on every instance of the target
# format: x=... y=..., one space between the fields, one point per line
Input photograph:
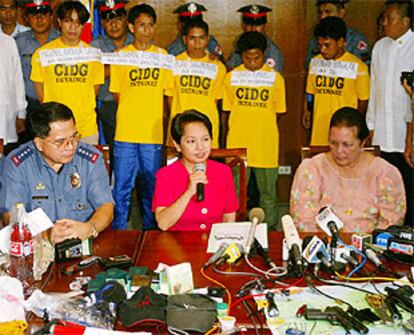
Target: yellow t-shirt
x=72 y=85
x=139 y=118
x=346 y=82
x=254 y=99
x=198 y=91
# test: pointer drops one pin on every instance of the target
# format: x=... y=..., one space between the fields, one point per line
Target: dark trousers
x=397 y=159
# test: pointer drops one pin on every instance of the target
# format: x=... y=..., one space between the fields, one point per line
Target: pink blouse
x=219 y=195
x=375 y=200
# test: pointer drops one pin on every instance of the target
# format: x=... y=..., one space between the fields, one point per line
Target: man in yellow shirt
x=138 y=80
x=198 y=79
x=69 y=71
x=254 y=94
x=336 y=79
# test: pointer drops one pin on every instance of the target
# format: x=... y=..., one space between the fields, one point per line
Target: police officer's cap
x=109 y=9
x=190 y=10
x=335 y=2
x=254 y=15
x=33 y=7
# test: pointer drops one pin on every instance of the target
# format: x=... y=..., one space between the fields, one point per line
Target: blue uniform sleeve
x=99 y=191
x=13 y=186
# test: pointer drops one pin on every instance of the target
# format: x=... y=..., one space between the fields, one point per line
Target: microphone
x=294 y=243
x=256 y=216
x=373 y=257
x=330 y=224
x=263 y=253
x=200 y=186
x=231 y=254
x=313 y=246
x=351 y=260
x=325 y=261
x=217 y=255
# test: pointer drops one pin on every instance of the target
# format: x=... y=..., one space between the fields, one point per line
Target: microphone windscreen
x=257 y=213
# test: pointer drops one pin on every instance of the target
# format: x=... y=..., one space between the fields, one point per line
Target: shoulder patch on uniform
x=21 y=155
x=88 y=154
x=362 y=45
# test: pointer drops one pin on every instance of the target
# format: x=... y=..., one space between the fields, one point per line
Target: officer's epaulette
x=87 y=154
x=21 y=155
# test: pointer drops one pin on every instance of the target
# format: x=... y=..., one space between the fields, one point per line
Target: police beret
x=109 y=9
x=190 y=9
x=254 y=14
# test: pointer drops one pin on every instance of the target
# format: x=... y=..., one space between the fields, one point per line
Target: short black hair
x=251 y=40
x=66 y=8
x=405 y=8
x=46 y=114
x=137 y=10
x=195 y=24
x=189 y=116
x=338 y=4
x=331 y=27
x=350 y=117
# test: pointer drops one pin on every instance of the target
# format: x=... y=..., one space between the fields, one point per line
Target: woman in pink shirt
x=175 y=200
x=364 y=191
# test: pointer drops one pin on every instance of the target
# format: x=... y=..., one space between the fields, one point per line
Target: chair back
x=104 y=148
x=313 y=150
x=234 y=158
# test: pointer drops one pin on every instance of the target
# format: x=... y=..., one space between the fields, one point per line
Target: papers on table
x=236 y=232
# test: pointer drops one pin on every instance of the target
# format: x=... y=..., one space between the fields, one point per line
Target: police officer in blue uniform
x=192 y=11
x=254 y=18
x=356 y=42
x=114 y=21
x=40 y=19
x=55 y=172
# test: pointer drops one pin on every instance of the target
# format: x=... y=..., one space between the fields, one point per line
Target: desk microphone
x=231 y=254
x=200 y=186
x=311 y=247
x=263 y=253
x=256 y=216
x=294 y=243
x=217 y=255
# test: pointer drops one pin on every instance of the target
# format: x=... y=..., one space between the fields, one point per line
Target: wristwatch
x=94 y=230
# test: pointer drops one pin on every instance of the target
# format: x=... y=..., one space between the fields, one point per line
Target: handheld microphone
x=263 y=253
x=330 y=224
x=325 y=261
x=231 y=254
x=373 y=257
x=200 y=186
x=256 y=216
x=294 y=243
x=217 y=255
x=312 y=247
x=351 y=260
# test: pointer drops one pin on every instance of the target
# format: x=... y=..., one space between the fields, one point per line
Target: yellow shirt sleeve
x=36 y=75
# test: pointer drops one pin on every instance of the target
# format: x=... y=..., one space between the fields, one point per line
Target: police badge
x=75 y=180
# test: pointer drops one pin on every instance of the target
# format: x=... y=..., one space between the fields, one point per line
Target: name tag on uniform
x=253 y=78
x=40 y=197
x=332 y=68
x=201 y=69
x=142 y=59
x=69 y=56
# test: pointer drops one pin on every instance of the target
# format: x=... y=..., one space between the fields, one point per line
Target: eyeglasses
x=64 y=142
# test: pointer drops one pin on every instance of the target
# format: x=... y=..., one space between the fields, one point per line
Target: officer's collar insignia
x=40 y=186
x=75 y=180
x=254 y=9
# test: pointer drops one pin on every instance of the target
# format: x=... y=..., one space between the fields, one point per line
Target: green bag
x=193 y=312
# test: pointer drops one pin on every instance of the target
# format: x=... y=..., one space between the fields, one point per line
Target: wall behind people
x=290 y=25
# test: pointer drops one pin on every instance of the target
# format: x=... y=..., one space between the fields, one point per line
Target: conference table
x=153 y=247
